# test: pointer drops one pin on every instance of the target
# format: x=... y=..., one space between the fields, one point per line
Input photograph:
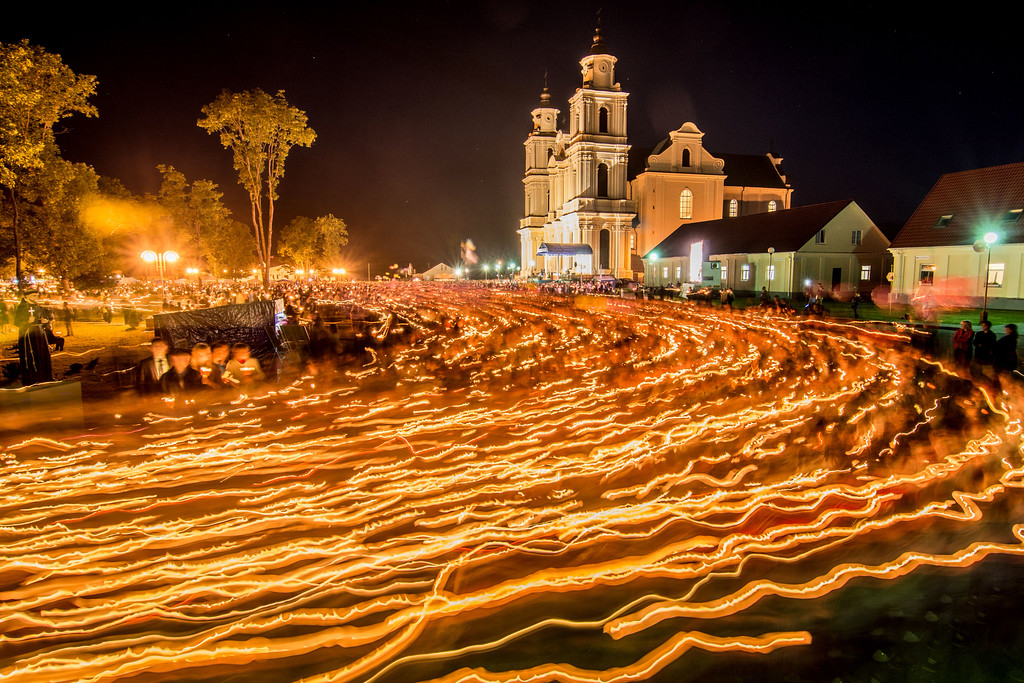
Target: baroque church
x=589 y=213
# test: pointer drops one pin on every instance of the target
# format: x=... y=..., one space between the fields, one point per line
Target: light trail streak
x=617 y=472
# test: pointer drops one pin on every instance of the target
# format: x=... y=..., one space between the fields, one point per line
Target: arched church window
x=686 y=158
x=734 y=208
x=773 y=206
x=686 y=204
x=604 y=249
x=602 y=180
x=602 y=120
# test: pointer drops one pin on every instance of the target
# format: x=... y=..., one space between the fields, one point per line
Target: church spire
x=598 y=47
x=545 y=96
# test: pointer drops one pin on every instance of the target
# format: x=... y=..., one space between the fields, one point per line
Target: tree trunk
x=270 y=235
x=17 y=240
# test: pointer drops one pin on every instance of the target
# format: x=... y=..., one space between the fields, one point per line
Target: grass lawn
x=112 y=345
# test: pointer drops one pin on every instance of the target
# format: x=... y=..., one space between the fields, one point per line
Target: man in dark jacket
x=182 y=379
x=985 y=347
x=149 y=371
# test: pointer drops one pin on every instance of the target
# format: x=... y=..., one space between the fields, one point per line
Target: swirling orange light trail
x=613 y=469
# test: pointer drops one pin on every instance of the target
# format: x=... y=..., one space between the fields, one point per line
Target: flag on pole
x=469 y=252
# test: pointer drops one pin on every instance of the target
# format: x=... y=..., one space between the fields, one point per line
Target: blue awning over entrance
x=555 y=249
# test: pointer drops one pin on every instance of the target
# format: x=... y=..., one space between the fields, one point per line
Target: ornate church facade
x=584 y=213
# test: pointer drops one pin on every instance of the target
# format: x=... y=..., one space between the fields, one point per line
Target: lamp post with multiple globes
x=161 y=260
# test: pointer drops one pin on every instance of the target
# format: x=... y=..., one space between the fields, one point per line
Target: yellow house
x=835 y=244
x=968 y=225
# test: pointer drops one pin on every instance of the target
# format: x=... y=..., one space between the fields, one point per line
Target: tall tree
x=260 y=130
x=195 y=208
x=298 y=242
x=227 y=246
x=308 y=242
x=53 y=199
x=334 y=235
x=37 y=90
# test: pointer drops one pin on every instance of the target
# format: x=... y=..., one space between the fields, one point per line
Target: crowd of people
x=207 y=367
x=982 y=354
x=177 y=372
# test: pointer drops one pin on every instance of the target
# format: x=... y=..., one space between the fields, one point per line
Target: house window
x=686 y=158
x=995 y=274
x=943 y=221
x=745 y=272
x=927 y=274
x=602 y=180
x=1012 y=216
x=664 y=272
x=855 y=237
x=771 y=273
x=686 y=204
x=772 y=206
x=734 y=208
x=679 y=272
x=602 y=120
x=819 y=237
x=725 y=272
x=865 y=273
x=632 y=241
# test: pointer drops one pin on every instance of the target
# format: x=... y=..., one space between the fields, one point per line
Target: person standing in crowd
x=765 y=297
x=855 y=303
x=202 y=362
x=67 y=315
x=1005 y=360
x=33 y=347
x=149 y=371
x=963 y=345
x=182 y=379
x=23 y=313
x=985 y=348
x=242 y=368
x=219 y=352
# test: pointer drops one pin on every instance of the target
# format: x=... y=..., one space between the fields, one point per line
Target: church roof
x=751 y=170
x=786 y=231
x=741 y=170
x=965 y=205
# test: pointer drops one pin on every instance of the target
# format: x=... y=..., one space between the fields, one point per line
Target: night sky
x=421 y=109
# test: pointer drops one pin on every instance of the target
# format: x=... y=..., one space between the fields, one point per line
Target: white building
x=586 y=213
x=577 y=215
x=941 y=252
x=441 y=272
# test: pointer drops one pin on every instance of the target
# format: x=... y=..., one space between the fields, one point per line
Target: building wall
x=755 y=199
x=657 y=203
x=957 y=274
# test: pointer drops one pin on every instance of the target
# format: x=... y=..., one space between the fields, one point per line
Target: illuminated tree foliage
x=260 y=130
x=194 y=208
x=37 y=90
x=51 y=202
x=309 y=243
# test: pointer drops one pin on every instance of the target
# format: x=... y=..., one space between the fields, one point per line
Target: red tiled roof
x=977 y=200
x=787 y=230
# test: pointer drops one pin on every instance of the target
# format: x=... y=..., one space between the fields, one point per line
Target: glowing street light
x=161 y=260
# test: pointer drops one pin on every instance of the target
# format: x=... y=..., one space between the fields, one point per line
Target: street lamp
x=771 y=268
x=989 y=239
x=195 y=271
x=161 y=260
